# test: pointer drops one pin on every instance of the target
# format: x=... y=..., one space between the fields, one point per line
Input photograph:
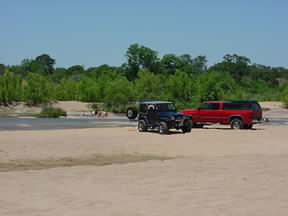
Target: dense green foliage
x=10 y=88
x=285 y=97
x=182 y=79
x=51 y=112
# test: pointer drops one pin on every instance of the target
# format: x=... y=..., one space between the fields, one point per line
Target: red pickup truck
x=239 y=114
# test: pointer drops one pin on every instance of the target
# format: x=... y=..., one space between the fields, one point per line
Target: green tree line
x=184 y=79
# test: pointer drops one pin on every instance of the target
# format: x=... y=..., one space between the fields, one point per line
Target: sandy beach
x=118 y=171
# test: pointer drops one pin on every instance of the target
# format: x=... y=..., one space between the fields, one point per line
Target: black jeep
x=160 y=115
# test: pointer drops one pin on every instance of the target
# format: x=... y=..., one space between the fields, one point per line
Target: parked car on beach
x=159 y=115
x=239 y=114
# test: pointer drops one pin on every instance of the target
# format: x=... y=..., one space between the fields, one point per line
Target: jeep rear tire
x=163 y=128
x=187 y=126
x=236 y=123
x=142 y=127
x=131 y=113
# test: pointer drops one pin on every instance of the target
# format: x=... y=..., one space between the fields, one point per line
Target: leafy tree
x=149 y=85
x=89 y=90
x=19 y=70
x=38 y=90
x=10 y=88
x=2 y=69
x=237 y=66
x=75 y=70
x=59 y=74
x=181 y=87
x=118 y=93
x=32 y=66
x=67 y=90
x=269 y=75
x=194 y=66
x=171 y=63
x=98 y=72
x=140 y=57
x=42 y=65
x=105 y=72
x=47 y=62
x=199 y=64
x=216 y=86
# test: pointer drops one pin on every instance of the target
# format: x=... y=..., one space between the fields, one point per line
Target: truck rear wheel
x=236 y=123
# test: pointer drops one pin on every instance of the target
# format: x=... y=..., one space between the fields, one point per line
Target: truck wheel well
x=236 y=117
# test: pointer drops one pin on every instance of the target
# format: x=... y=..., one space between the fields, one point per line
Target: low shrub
x=51 y=112
x=94 y=107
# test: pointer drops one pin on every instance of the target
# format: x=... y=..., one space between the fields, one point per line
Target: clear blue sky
x=94 y=32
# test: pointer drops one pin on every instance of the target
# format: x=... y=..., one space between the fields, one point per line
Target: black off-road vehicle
x=160 y=115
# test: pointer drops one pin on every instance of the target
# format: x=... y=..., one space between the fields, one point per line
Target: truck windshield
x=166 y=107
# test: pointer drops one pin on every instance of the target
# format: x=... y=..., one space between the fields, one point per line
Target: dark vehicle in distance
x=239 y=114
x=160 y=115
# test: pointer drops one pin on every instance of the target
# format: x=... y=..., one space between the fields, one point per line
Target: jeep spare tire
x=131 y=113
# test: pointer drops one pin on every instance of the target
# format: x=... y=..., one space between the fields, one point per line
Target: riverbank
x=20 y=109
x=76 y=109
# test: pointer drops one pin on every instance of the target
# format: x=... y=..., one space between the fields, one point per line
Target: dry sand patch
x=223 y=185
x=82 y=143
x=220 y=172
